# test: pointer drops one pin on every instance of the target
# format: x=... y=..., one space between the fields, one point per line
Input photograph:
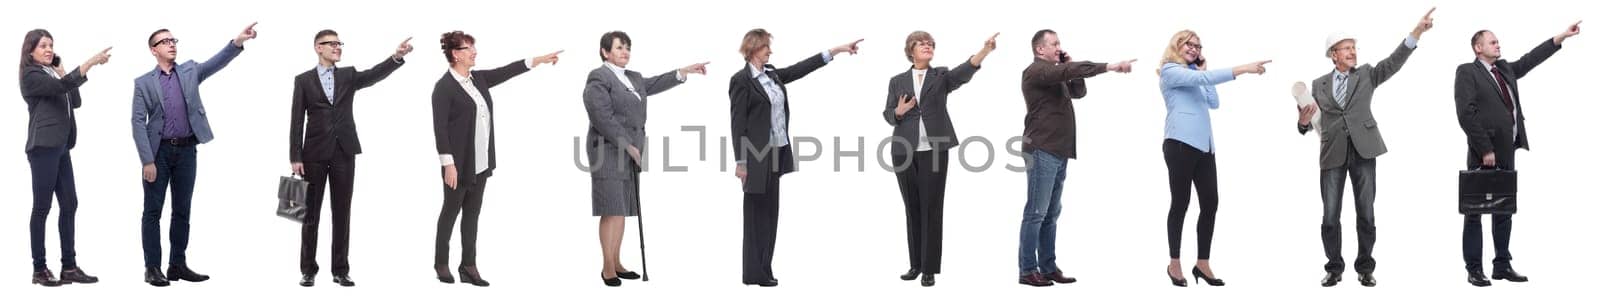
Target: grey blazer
x=616 y=118
x=148 y=112
x=50 y=104
x=1353 y=122
x=931 y=110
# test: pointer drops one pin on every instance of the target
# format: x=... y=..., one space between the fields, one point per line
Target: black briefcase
x=1488 y=191
x=292 y=198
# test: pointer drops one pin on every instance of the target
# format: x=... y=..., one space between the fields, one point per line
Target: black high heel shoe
x=628 y=275
x=1198 y=276
x=612 y=282
x=471 y=279
x=444 y=275
x=1176 y=281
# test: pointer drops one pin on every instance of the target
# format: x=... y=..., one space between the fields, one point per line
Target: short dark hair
x=606 y=41
x=1038 y=37
x=324 y=32
x=449 y=41
x=152 y=43
x=1478 y=36
x=30 y=41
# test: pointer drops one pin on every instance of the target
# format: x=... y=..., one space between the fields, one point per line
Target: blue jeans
x=1038 y=248
x=175 y=166
x=52 y=177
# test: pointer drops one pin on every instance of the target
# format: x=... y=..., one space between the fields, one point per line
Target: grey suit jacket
x=616 y=118
x=50 y=104
x=1353 y=121
x=148 y=112
x=931 y=110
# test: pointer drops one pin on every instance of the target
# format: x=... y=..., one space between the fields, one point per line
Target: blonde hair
x=754 y=41
x=912 y=39
x=1174 y=52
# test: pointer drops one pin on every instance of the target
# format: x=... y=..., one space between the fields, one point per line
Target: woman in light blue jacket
x=1189 y=89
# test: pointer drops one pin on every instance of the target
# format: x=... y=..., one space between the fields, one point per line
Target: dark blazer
x=617 y=116
x=1353 y=122
x=332 y=125
x=1048 y=88
x=1482 y=112
x=149 y=113
x=751 y=111
x=50 y=103
x=931 y=109
x=455 y=117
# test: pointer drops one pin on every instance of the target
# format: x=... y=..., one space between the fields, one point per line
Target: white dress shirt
x=917 y=78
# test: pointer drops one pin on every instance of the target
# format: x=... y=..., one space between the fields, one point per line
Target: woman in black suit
x=463 y=132
x=760 y=111
x=52 y=93
x=923 y=136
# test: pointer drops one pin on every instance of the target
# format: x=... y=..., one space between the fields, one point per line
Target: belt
x=181 y=142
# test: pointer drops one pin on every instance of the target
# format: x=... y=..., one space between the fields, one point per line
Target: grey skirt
x=616 y=197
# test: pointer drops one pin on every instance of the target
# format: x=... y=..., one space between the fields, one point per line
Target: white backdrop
x=841 y=232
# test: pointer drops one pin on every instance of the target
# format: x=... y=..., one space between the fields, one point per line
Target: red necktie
x=1505 y=92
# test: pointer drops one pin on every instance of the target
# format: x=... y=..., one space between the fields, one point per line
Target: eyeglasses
x=462 y=48
x=1344 y=48
x=919 y=43
x=1194 y=45
x=165 y=41
x=332 y=43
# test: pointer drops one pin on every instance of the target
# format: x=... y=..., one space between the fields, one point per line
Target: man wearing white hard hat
x=1351 y=144
x=1489 y=107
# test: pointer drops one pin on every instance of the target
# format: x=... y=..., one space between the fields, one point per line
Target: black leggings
x=1185 y=166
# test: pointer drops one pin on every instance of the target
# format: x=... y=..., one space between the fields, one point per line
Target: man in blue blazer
x=168 y=121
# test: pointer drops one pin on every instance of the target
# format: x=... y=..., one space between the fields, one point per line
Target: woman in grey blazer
x=52 y=93
x=923 y=136
x=615 y=99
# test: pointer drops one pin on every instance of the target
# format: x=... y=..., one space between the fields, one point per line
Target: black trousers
x=53 y=178
x=466 y=200
x=1472 y=229
x=337 y=175
x=761 y=227
x=1187 y=166
x=922 y=181
x=1364 y=175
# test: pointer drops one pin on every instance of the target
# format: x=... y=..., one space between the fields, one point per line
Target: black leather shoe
x=1508 y=275
x=1367 y=280
x=911 y=274
x=472 y=279
x=183 y=273
x=1200 y=276
x=1035 y=279
x=76 y=275
x=927 y=280
x=1476 y=278
x=1332 y=279
x=154 y=277
x=765 y=284
x=1058 y=278
x=307 y=280
x=344 y=280
x=612 y=282
x=629 y=275
x=45 y=278
x=1177 y=281
x=444 y=275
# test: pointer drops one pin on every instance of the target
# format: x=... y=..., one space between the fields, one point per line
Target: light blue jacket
x=1190 y=95
x=148 y=114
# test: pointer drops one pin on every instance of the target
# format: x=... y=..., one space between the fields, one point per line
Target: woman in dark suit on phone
x=463 y=132
x=52 y=93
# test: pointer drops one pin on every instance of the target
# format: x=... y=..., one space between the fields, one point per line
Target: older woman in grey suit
x=923 y=136
x=615 y=99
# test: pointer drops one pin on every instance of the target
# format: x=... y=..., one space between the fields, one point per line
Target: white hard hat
x=1335 y=38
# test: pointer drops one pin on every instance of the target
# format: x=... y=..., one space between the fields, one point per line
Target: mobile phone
x=1061 y=56
x=55 y=61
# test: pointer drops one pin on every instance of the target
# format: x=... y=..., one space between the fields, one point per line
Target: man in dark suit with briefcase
x=1489 y=109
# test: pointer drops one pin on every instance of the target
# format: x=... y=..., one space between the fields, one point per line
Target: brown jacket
x=1049 y=88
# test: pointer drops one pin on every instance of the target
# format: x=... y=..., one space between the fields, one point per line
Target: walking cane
x=644 y=266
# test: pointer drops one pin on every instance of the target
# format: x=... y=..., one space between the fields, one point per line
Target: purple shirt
x=174 y=106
